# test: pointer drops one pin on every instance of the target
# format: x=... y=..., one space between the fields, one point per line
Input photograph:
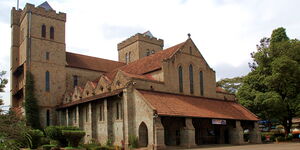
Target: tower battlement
x=18 y=15
x=140 y=37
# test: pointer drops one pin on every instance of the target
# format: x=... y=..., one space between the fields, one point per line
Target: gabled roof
x=147 y=64
x=91 y=63
x=167 y=104
x=46 y=6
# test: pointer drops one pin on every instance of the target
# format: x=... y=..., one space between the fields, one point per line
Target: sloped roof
x=191 y=106
x=91 y=63
x=91 y=98
x=46 y=6
x=147 y=64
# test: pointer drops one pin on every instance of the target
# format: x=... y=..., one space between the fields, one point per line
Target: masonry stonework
x=114 y=101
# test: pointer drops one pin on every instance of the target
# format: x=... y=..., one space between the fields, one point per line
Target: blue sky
x=225 y=31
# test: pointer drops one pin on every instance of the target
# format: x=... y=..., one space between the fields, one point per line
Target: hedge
x=73 y=137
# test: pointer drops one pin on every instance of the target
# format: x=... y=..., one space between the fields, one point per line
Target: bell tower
x=38 y=46
x=139 y=46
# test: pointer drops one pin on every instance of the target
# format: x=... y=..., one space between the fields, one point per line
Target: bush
x=133 y=141
x=263 y=138
x=55 y=133
x=45 y=141
x=73 y=136
x=106 y=147
x=48 y=147
x=35 y=138
x=280 y=139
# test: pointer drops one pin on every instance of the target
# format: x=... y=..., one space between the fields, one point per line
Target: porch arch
x=143 y=135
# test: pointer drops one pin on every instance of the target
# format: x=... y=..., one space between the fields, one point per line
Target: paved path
x=275 y=146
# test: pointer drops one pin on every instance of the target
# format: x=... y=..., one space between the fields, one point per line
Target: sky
x=225 y=31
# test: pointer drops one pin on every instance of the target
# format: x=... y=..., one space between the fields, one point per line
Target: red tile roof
x=91 y=63
x=91 y=98
x=190 y=106
x=147 y=64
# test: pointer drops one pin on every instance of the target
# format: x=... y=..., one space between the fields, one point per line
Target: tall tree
x=3 y=83
x=31 y=105
x=272 y=88
x=230 y=85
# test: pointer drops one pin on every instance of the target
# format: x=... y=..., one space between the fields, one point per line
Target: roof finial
x=189 y=35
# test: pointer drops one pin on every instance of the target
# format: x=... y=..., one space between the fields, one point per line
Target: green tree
x=31 y=105
x=272 y=88
x=230 y=85
x=3 y=83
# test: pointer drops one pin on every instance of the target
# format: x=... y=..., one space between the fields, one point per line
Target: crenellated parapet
x=18 y=15
x=140 y=37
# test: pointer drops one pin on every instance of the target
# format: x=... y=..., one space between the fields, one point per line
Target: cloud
x=115 y=31
x=225 y=31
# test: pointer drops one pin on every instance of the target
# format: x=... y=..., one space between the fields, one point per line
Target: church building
x=162 y=96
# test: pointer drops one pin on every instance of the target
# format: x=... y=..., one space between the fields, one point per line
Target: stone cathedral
x=163 y=96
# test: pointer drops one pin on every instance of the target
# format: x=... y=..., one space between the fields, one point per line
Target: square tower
x=139 y=46
x=38 y=46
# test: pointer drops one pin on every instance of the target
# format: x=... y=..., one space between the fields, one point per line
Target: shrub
x=73 y=136
x=133 y=141
x=280 y=139
x=109 y=142
x=55 y=133
x=263 y=138
x=45 y=141
x=35 y=138
x=106 y=147
x=48 y=147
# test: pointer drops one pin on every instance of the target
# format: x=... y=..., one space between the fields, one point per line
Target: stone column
x=125 y=118
x=89 y=123
x=159 y=134
x=187 y=134
x=254 y=135
x=236 y=135
x=67 y=117
x=77 y=116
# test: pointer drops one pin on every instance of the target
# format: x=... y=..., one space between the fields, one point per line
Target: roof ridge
x=95 y=57
x=216 y=99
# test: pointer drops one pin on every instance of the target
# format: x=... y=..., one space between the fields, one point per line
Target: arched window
x=191 y=79
x=201 y=83
x=48 y=117
x=148 y=52
x=52 y=33
x=129 y=56
x=126 y=58
x=43 y=31
x=47 y=86
x=180 y=79
x=191 y=50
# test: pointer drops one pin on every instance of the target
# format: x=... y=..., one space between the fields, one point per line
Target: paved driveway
x=280 y=146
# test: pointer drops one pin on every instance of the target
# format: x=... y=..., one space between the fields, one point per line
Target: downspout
x=28 y=59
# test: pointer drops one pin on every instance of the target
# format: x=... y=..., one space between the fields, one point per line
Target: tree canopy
x=230 y=85
x=3 y=83
x=272 y=89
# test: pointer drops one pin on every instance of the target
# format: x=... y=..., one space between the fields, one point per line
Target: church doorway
x=143 y=135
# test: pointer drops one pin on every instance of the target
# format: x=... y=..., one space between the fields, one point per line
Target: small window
x=87 y=93
x=101 y=112
x=43 y=32
x=119 y=111
x=148 y=52
x=48 y=117
x=47 y=78
x=126 y=58
x=75 y=80
x=101 y=88
x=201 y=83
x=191 y=72
x=87 y=113
x=129 y=56
x=152 y=52
x=52 y=33
x=47 y=55
x=191 y=51
x=180 y=79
